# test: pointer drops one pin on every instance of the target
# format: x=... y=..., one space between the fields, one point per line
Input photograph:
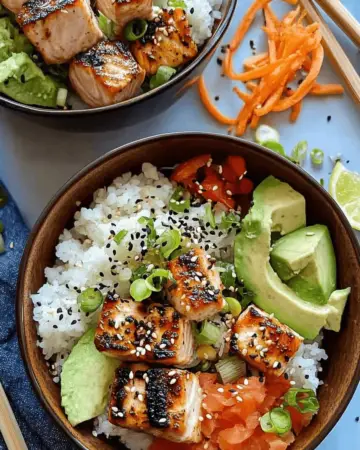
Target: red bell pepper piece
x=237 y=163
x=189 y=168
x=211 y=180
x=228 y=174
x=241 y=187
x=190 y=185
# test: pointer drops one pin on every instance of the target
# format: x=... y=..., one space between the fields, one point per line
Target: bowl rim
x=210 y=45
x=128 y=147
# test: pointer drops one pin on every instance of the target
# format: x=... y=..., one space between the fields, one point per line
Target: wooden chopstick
x=8 y=425
x=334 y=51
x=343 y=18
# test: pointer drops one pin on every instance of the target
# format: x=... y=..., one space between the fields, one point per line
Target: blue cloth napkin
x=39 y=430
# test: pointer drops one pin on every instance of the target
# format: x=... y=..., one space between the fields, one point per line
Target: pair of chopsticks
x=350 y=26
x=8 y=425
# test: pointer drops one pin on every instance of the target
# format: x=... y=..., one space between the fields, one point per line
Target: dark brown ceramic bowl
x=341 y=374
x=144 y=105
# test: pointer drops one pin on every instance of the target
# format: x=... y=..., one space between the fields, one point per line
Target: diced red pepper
x=211 y=181
x=190 y=185
x=228 y=173
x=237 y=163
x=241 y=187
x=189 y=168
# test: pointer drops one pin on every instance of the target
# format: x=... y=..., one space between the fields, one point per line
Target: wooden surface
x=341 y=374
x=8 y=425
x=343 y=18
x=334 y=51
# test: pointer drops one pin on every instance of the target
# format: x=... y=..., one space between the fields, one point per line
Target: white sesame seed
x=133 y=389
x=201 y=419
x=162 y=346
x=141 y=398
x=268 y=342
x=208 y=416
x=171 y=373
x=194 y=258
x=246 y=381
x=220 y=390
x=131 y=375
x=204 y=405
x=244 y=352
x=187 y=308
x=209 y=162
x=215 y=188
x=262 y=328
x=199 y=390
x=258 y=347
x=114 y=408
x=94 y=433
x=275 y=365
x=173 y=381
x=148 y=347
x=238 y=398
x=220 y=169
x=206 y=445
x=132 y=352
x=234 y=394
x=229 y=192
x=187 y=376
x=154 y=335
x=162 y=420
x=120 y=414
x=271 y=316
x=292 y=383
x=127 y=389
x=238 y=386
x=11 y=245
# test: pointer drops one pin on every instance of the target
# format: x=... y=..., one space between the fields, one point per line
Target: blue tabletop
x=36 y=160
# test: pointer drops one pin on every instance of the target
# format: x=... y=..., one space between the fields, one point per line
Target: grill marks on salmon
x=106 y=74
x=159 y=401
x=263 y=342
x=196 y=293
x=59 y=29
x=167 y=42
x=121 y=12
x=130 y=331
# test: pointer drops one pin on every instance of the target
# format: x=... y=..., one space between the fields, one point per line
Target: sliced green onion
x=61 y=97
x=162 y=76
x=153 y=256
x=169 y=241
x=177 y=201
x=225 y=308
x=230 y=220
x=135 y=29
x=234 y=306
x=278 y=421
x=299 y=152
x=177 y=4
x=264 y=133
x=3 y=197
x=139 y=290
x=2 y=244
x=90 y=300
x=304 y=400
x=317 y=156
x=231 y=369
x=120 y=236
x=150 y=229
x=227 y=273
x=139 y=272
x=1 y=227
x=208 y=333
x=322 y=181
x=275 y=147
x=155 y=281
x=209 y=216
x=106 y=26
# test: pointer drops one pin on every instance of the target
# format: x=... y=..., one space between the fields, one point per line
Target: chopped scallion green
x=120 y=236
x=90 y=300
x=177 y=201
x=169 y=241
x=264 y=133
x=150 y=229
x=139 y=290
x=304 y=400
x=135 y=29
x=61 y=97
x=156 y=279
x=278 y=421
x=299 y=152
x=317 y=156
x=209 y=216
x=275 y=147
x=208 y=333
x=227 y=273
x=177 y=4
x=231 y=369
x=233 y=305
x=162 y=76
x=230 y=220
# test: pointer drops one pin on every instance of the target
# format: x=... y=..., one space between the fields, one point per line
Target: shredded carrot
x=253 y=74
x=296 y=109
x=254 y=121
x=251 y=85
x=204 y=95
x=255 y=61
x=271 y=26
x=307 y=63
x=242 y=95
x=291 y=2
x=327 y=89
x=247 y=20
x=290 y=17
x=187 y=85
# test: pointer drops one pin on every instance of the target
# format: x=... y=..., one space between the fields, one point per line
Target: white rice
x=201 y=15
x=85 y=257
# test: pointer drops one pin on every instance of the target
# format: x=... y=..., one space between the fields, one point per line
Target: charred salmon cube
x=167 y=42
x=13 y=5
x=121 y=12
x=263 y=342
x=106 y=74
x=196 y=293
x=163 y=402
x=131 y=331
x=59 y=29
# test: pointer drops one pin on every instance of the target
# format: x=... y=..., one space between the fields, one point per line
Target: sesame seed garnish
x=238 y=398
x=215 y=188
x=244 y=352
x=292 y=383
x=246 y=381
x=201 y=419
x=127 y=389
x=204 y=405
x=229 y=192
x=132 y=352
x=162 y=420
x=148 y=347
x=172 y=373
x=208 y=416
x=275 y=365
x=173 y=381
x=187 y=308
x=220 y=390
x=206 y=445
x=131 y=375
x=141 y=398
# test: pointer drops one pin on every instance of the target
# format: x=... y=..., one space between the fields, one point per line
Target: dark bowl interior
x=340 y=375
x=171 y=90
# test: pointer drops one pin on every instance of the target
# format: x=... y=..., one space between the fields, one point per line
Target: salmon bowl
x=179 y=285
x=114 y=55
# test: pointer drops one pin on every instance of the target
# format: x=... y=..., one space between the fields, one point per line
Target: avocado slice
x=305 y=261
x=277 y=207
x=85 y=380
x=338 y=302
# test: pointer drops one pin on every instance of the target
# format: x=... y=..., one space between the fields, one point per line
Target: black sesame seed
x=328 y=118
x=109 y=216
x=112 y=232
x=55 y=326
x=59 y=310
x=73 y=322
x=107 y=245
x=217 y=98
x=101 y=274
x=357 y=419
x=61 y=316
x=219 y=62
x=192 y=10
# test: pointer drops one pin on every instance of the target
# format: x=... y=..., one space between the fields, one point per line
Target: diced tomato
x=189 y=168
x=237 y=164
x=214 y=189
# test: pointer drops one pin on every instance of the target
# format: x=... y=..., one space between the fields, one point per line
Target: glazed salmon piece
x=121 y=12
x=263 y=342
x=59 y=29
x=13 y=5
x=160 y=401
x=131 y=331
x=167 y=42
x=196 y=293
x=106 y=74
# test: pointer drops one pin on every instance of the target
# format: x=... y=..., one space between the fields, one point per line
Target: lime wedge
x=344 y=187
